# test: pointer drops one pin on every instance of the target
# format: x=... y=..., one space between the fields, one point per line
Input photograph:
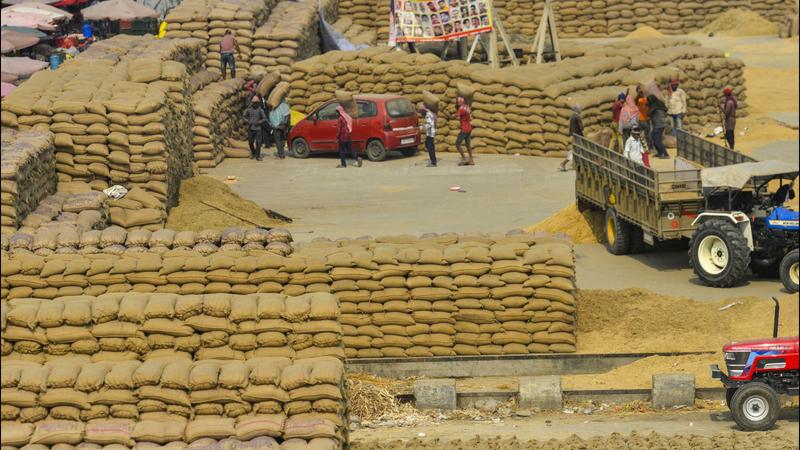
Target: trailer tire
x=618 y=234
x=718 y=253
x=755 y=407
x=637 y=239
x=789 y=271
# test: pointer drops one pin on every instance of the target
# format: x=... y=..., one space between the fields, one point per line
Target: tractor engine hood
x=781 y=344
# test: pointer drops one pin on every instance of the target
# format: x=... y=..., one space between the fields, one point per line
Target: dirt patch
x=771 y=90
x=769 y=440
x=756 y=132
x=645 y=32
x=637 y=320
x=581 y=227
x=741 y=22
x=193 y=215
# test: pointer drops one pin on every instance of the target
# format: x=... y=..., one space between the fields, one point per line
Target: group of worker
x=264 y=123
x=640 y=118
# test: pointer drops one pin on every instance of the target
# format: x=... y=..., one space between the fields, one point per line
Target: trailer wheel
x=789 y=271
x=637 y=239
x=618 y=234
x=718 y=253
x=755 y=407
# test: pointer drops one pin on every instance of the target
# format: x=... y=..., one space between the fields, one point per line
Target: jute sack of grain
x=430 y=100
x=343 y=97
x=267 y=83
x=465 y=91
x=278 y=94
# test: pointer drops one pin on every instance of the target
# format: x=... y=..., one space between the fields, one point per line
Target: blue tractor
x=750 y=221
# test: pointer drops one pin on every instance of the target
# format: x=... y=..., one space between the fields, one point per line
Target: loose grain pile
x=740 y=22
x=192 y=214
x=580 y=227
x=115 y=240
x=290 y=34
x=525 y=110
x=27 y=165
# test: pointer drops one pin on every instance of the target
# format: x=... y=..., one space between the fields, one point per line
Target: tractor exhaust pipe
x=777 y=316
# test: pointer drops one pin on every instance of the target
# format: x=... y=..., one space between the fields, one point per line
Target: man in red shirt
x=344 y=132
x=616 y=112
x=465 y=133
x=226 y=51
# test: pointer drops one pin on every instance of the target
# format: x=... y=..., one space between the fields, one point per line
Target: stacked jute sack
x=115 y=240
x=290 y=34
x=116 y=119
x=218 y=116
x=452 y=295
x=369 y=14
x=242 y=17
x=72 y=211
x=28 y=174
x=526 y=109
x=190 y=19
x=187 y=51
x=143 y=326
x=355 y=33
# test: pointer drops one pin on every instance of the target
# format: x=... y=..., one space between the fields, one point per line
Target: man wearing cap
x=676 y=105
x=636 y=148
x=729 y=107
x=255 y=118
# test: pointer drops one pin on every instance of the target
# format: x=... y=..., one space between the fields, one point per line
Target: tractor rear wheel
x=718 y=253
x=789 y=271
x=755 y=407
x=618 y=234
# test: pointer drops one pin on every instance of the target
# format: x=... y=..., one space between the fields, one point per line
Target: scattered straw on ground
x=191 y=214
x=645 y=32
x=636 y=320
x=741 y=22
x=581 y=227
x=372 y=398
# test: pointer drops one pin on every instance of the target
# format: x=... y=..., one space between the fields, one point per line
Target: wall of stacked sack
x=218 y=117
x=526 y=109
x=27 y=166
x=209 y=19
x=290 y=34
x=402 y=296
x=162 y=368
x=597 y=18
x=117 y=117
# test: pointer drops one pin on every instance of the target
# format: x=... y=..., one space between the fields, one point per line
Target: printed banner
x=437 y=20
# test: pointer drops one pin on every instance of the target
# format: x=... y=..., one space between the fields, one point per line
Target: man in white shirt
x=635 y=148
x=676 y=107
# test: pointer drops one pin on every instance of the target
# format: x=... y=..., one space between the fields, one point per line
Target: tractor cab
x=750 y=219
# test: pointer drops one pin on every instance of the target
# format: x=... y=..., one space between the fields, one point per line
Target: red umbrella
x=6 y=88
x=14 y=40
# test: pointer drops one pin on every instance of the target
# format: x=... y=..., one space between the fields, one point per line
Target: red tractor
x=759 y=371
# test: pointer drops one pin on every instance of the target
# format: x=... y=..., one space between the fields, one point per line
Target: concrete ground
x=543 y=427
x=401 y=195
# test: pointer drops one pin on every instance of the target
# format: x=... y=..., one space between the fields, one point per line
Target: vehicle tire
x=718 y=253
x=637 y=239
x=411 y=151
x=618 y=234
x=764 y=268
x=300 y=148
x=788 y=271
x=755 y=407
x=729 y=392
x=376 y=151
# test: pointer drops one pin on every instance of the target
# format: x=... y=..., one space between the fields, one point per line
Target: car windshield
x=399 y=107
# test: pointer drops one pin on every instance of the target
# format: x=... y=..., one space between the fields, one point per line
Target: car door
x=363 y=123
x=322 y=136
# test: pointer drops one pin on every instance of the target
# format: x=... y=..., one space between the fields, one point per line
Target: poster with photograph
x=437 y=20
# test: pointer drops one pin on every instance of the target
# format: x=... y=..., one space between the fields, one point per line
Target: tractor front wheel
x=718 y=253
x=755 y=407
x=789 y=271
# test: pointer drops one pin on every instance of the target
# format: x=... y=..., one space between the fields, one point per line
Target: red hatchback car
x=381 y=123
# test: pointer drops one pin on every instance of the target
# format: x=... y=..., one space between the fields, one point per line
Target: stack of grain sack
x=117 y=118
x=290 y=34
x=526 y=109
x=115 y=240
x=73 y=209
x=364 y=13
x=356 y=34
x=166 y=369
x=218 y=117
x=28 y=168
x=242 y=17
x=451 y=295
x=189 y=19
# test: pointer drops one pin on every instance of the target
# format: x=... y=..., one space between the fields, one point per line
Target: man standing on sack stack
x=227 y=57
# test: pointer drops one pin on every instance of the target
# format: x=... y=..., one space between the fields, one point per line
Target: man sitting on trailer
x=636 y=148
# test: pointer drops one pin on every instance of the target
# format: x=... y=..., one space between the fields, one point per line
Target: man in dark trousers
x=344 y=130
x=575 y=129
x=255 y=118
x=729 y=107
x=227 y=51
